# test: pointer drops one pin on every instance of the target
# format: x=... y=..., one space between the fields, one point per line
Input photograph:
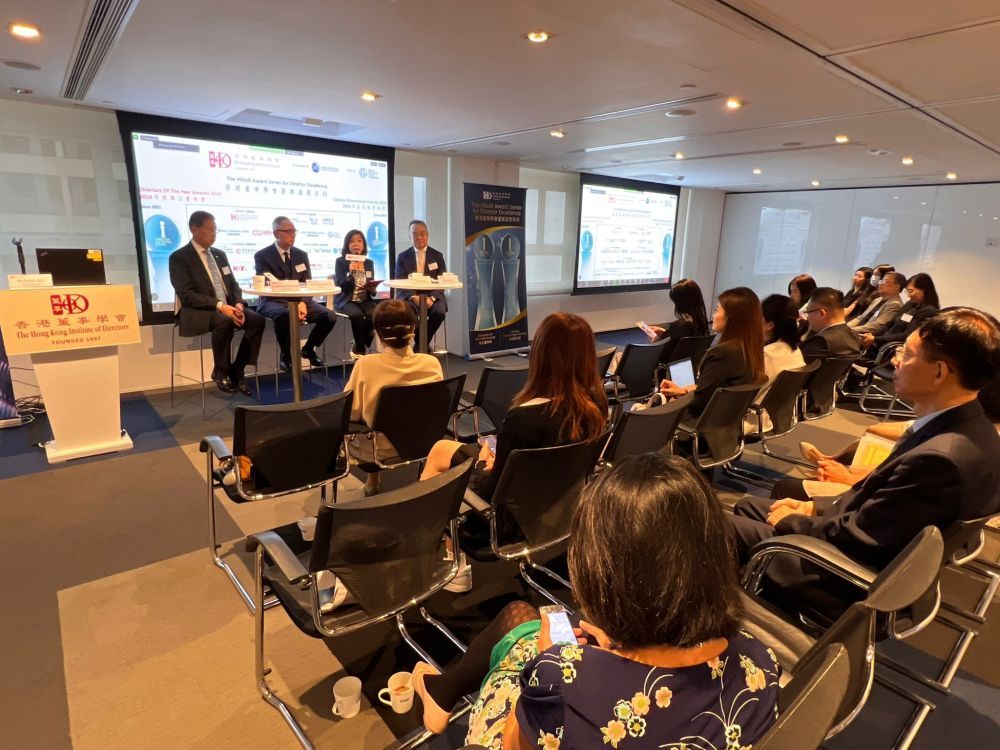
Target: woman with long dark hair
x=861 y=291
x=801 y=288
x=690 y=318
x=357 y=295
x=738 y=357
x=660 y=660
x=781 y=346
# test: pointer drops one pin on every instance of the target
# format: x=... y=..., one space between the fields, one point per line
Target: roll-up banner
x=8 y=408
x=496 y=286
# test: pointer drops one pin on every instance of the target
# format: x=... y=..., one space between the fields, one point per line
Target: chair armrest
x=217 y=445
x=819 y=552
x=289 y=565
x=475 y=503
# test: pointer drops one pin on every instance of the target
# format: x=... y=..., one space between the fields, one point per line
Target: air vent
x=105 y=22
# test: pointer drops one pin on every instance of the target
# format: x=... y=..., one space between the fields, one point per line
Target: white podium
x=72 y=335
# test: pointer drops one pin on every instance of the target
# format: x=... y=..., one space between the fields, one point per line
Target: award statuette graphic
x=483 y=251
x=510 y=259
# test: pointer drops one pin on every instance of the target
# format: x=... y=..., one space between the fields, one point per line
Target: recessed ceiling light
x=951 y=176
x=814 y=183
x=24 y=30
x=923 y=203
x=895 y=197
x=682 y=112
x=980 y=216
x=538 y=36
x=678 y=155
x=841 y=138
x=19 y=90
x=370 y=96
x=907 y=160
x=964 y=213
x=21 y=65
x=734 y=103
x=557 y=133
x=758 y=170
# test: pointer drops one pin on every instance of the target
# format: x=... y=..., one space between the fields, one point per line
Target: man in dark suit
x=829 y=334
x=286 y=262
x=422 y=258
x=883 y=308
x=945 y=468
x=210 y=301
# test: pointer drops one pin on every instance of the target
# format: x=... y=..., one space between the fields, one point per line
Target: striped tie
x=213 y=271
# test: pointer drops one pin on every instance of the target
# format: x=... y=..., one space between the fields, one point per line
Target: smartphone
x=490 y=441
x=560 y=628
x=646 y=329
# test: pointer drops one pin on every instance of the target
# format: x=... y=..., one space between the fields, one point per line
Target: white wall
x=951 y=232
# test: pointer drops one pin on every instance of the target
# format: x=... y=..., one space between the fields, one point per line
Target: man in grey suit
x=829 y=334
x=879 y=314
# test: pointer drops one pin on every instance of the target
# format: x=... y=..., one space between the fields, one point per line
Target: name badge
x=369 y=274
x=432 y=266
x=227 y=271
x=300 y=267
x=906 y=317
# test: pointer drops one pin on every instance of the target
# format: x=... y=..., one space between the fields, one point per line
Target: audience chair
x=604 y=357
x=174 y=374
x=538 y=488
x=388 y=551
x=412 y=418
x=292 y=448
x=880 y=372
x=820 y=397
x=494 y=395
x=646 y=431
x=693 y=348
x=719 y=429
x=635 y=377
x=897 y=602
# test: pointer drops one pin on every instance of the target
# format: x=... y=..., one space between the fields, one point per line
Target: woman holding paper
x=354 y=273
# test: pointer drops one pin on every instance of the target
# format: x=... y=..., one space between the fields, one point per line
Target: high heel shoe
x=435 y=717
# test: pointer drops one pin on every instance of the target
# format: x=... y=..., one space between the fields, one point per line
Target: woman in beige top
x=395 y=323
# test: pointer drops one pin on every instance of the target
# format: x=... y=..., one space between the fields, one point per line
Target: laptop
x=682 y=372
x=72 y=267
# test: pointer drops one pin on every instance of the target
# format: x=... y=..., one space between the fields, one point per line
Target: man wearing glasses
x=286 y=262
x=829 y=335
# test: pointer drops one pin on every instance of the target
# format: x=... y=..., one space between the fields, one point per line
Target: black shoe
x=310 y=354
x=240 y=386
x=224 y=384
x=285 y=363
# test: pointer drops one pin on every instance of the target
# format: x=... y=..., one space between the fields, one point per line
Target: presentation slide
x=627 y=231
x=245 y=186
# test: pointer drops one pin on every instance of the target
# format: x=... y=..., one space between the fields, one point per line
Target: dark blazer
x=723 y=365
x=194 y=289
x=837 y=340
x=268 y=260
x=949 y=470
x=899 y=329
x=342 y=277
x=406 y=263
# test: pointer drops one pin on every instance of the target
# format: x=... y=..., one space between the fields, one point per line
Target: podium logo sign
x=68 y=304
x=35 y=321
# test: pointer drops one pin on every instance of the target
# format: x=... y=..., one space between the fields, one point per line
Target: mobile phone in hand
x=560 y=628
x=646 y=329
x=490 y=441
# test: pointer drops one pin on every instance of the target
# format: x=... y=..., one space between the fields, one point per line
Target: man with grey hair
x=422 y=258
x=286 y=262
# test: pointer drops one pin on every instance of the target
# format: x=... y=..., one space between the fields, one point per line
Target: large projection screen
x=246 y=178
x=626 y=235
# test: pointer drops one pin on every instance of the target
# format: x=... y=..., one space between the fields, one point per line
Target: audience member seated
x=738 y=358
x=690 y=317
x=211 y=302
x=781 y=350
x=829 y=334
x=923 y=302
x=356 y=279
x=659 y=658
x=880 y=312
x=861 y=292
x=947 y=467
x=395 y=323
x=800 y=289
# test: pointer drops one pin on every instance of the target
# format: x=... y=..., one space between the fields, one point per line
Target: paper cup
x=399 y=694
x=346 y=697
x=308 y=528
x=258 y=282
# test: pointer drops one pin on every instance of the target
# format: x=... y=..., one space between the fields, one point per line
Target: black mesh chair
x=898 y=602
x=719 y=429
x=388 y=551
x=821 y=389
x=412 y=418
x=537 y=492
x=647 y=431
x=873 y=386
x=494 y=395
x=689 y=347
x=635 y=377
x=291 y=447
x=604 y=357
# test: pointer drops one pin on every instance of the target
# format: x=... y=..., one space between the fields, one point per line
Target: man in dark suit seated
x=211 y=301
x=286 y=262
x=829 y=334
x=945 y=468
x=421 y=258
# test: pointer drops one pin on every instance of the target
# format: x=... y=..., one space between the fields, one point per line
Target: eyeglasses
x=815 y=309
x=286 y=231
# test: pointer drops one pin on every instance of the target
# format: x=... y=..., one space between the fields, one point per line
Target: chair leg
x=441 y=628
x=173 y=333
x=918 y=716
x=201 y=369
x=523 y=566
x=941 y=683
x=746 y=476
x=992 y=580
x=261 y=673
x=414 y=645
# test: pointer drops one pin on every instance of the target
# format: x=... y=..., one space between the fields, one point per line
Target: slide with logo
x=245 y=186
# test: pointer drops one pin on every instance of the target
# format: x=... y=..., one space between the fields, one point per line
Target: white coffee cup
x=258 y=282
x=346 y=697
x=400 y=692
x=308 y=528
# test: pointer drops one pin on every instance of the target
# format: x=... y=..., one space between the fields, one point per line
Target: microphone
x=20 y=252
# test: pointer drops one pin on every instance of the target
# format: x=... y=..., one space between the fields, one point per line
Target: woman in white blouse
x=781 y=347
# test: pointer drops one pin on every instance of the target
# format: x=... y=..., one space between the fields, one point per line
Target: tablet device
x=682 y=372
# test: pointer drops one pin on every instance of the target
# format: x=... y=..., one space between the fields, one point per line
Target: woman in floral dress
x=660 y=661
